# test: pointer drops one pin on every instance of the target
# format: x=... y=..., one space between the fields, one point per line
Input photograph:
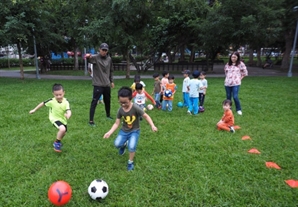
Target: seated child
x=140 y=97
x=227 y=120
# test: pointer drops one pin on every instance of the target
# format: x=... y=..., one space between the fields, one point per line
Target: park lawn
x=186 y=163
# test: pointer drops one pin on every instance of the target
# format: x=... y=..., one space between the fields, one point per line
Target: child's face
x=167 y=75
x=202 y=77
x=185 y=75
x=124 y=102
x=139 y=91
x=59 y=95
x=226 y=107
x=171 y=80
x=157 y=78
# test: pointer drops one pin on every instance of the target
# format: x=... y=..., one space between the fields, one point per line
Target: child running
x=140 y=97
x=59 y=112
x=227 y=120
x=129 y=134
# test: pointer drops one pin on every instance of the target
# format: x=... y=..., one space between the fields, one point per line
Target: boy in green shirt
x=59 y=112
x=130 y=114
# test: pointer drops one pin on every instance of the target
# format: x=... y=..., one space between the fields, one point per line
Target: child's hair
x=171 y=77
x=137 y=78
x=125 y=92
x=155 y=75
x=227 y=101
x=57 y=87
x=164 y=73
x=139 y=86
x=203 y=73
x=196 y=74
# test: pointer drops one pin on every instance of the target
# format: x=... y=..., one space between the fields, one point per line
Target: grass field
x=186 y=163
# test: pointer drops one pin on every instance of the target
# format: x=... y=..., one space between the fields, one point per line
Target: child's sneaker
x=130 y=166
x=232 y=129
x=122 y=149
x=201 y=109
x=189 y=112
x=57 y=146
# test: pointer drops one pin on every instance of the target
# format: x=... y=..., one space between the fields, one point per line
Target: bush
x=15 y=62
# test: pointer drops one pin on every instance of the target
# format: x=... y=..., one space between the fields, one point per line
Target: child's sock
x=129 y=161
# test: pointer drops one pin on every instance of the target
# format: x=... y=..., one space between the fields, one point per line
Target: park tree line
x=152 y=25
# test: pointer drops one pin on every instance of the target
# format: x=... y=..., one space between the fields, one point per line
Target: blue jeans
x=132 y=138
x=185 y=99
x=157 y=99
x=193 y=105
x=234 y=90
x=164 y=105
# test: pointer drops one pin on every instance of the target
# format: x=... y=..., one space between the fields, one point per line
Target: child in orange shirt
x=227 y=120
x=168 y=100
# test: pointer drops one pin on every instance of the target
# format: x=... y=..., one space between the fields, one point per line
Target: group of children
x=130 y=113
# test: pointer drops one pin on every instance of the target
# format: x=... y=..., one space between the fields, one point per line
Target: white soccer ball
x=150 y=107
x=98 y=189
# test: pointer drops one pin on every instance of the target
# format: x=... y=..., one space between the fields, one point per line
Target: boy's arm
x=134 y=94
x=149 y=120
x=36 y=108
x=113 y=128
x=150 y=97
x=68 y=114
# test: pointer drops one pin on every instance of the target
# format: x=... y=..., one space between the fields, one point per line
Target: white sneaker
x=239 y=112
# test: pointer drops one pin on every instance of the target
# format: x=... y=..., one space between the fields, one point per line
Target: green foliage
x=186 y=163
x=15 y=62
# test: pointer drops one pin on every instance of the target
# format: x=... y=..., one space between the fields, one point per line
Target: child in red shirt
x=227 y=120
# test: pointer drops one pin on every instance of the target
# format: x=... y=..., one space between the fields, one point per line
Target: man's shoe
x=130 y=166
x=91 y=123
x=122 y=149
x=57 y=146
x=110 y=118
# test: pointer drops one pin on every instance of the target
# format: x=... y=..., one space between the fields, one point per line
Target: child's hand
x=107 y=135
x=154 y=128
x=32 y=111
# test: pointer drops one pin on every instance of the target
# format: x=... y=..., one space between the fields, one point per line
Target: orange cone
x=254 y=151
x=292 y=183
x=272 y=165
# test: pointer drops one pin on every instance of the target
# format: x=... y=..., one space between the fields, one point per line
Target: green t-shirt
x=57 y=110
x=131 y=119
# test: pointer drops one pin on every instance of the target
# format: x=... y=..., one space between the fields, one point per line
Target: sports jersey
x=140 y=98
x=131 y=119
x=57 y=110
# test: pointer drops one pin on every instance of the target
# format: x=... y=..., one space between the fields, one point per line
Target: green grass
x=186 y=163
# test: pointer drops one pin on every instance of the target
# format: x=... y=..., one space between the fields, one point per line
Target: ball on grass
x=59 y=193
x=180 y=104
x=98 y=189
x=150 y=107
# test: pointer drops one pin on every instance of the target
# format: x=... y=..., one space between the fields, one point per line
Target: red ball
x=59 y=193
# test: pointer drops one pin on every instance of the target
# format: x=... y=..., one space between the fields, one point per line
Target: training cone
x=59 y=193
x=246 y=137
x=292 y=183
x=254 y=151
x=272 y=165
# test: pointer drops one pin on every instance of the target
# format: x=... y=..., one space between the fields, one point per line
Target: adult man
x=102 y=80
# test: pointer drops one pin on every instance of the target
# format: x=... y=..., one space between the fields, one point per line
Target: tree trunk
x=20 y=60
x=76 y=59
x=127 y=65
x=259 y=61
x=286 y=56
x=192 y=55
x=182 y=56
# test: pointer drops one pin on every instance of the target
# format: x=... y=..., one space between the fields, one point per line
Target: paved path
x=217 y=72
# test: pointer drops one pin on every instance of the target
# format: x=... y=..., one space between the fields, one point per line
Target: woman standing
x=235 y=71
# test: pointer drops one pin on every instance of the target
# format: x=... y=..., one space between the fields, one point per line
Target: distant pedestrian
x=235 y=71
x=59 y=113
x=102 y=80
